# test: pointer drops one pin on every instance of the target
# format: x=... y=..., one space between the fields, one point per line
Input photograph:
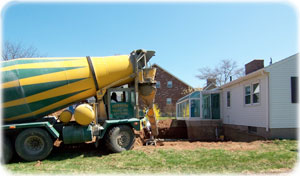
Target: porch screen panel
x=206 y=107
x=215 y=106
x=195 y=108
x=186 y=109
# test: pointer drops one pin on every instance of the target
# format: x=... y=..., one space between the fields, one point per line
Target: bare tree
x=222 y=72
x=187 y=91
x=18 y=50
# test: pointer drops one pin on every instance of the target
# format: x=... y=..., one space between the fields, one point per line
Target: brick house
x=169 y=90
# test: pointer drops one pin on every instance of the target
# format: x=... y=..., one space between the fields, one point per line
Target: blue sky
x=185 y=36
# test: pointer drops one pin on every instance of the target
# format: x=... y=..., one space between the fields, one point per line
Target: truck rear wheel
x=7 y=150
x=120 y=138
x=33 y=144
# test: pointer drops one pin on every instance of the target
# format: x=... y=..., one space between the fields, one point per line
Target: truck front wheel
x=33 y=144
x=120 y=138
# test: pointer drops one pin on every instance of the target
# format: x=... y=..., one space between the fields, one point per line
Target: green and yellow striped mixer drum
x=35 y=87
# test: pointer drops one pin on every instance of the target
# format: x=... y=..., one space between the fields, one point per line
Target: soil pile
x=139 y=138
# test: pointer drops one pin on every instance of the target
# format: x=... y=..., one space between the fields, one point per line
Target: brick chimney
x=254 y=65
x=210 y=84
x=210 y=81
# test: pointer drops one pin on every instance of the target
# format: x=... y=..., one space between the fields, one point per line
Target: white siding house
x=283 y=113
x=261 y=104
x=263 y=100
x=251 y=113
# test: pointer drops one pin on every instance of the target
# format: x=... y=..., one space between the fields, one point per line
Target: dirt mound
x=139 y=138
x=164 y=123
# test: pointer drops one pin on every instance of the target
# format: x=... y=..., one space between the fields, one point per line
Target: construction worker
x=114 y=97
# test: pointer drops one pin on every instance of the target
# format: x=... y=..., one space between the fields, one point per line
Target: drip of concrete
x=152 y=120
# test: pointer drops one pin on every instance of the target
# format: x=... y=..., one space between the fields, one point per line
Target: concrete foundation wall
x=210 y=130
x=242 y=133
x=284 y=133
x=204 y=130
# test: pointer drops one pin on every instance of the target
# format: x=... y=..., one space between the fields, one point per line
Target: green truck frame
x=117 y=131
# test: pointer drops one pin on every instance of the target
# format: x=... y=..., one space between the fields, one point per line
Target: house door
x=206 y=106
x=215 y=106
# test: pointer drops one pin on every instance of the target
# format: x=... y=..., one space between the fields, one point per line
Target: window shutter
x=294 y=89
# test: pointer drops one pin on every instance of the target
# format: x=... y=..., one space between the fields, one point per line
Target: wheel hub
x=34 y=144
x=123 y=139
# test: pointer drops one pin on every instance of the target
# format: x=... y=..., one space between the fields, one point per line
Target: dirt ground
x=187 y=145
x=177 y=143
x=165 y=140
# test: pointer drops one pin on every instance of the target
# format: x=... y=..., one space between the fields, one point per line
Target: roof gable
x=276 y=64
x=155 y=65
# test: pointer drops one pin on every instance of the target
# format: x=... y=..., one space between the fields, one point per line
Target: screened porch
x=199 y=105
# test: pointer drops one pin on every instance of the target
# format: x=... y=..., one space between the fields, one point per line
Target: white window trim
x=244 y=92
x=182 y=101
x=259 y=99
x=171 y=84
x=191 y=107
x=210 y=109
x=167 y=101
x=183 y=118
x=251 y=93
x=228 y=107
x=158 y=84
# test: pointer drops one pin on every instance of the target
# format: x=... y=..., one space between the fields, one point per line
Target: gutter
x=246 y=77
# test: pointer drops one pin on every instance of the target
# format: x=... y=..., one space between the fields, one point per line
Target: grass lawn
x=273 y=156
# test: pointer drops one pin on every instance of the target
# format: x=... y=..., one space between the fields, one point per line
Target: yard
x=176 y=157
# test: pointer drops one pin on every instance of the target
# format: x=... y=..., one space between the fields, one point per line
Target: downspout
x=268 y=101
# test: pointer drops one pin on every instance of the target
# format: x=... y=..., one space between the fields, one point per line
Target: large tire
x=33 y=144
x=7 y=150
x=120 y=138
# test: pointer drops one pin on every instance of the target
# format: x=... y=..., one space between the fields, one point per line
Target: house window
x=170 y=84
x=157 y=84
x=294 y=89
x=255 y=93
x=169 y=101
x=247 y=95
x=252 y=94
x=228 y=99
x=252 y=129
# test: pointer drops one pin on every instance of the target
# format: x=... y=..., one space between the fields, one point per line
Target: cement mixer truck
x=34 y=88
